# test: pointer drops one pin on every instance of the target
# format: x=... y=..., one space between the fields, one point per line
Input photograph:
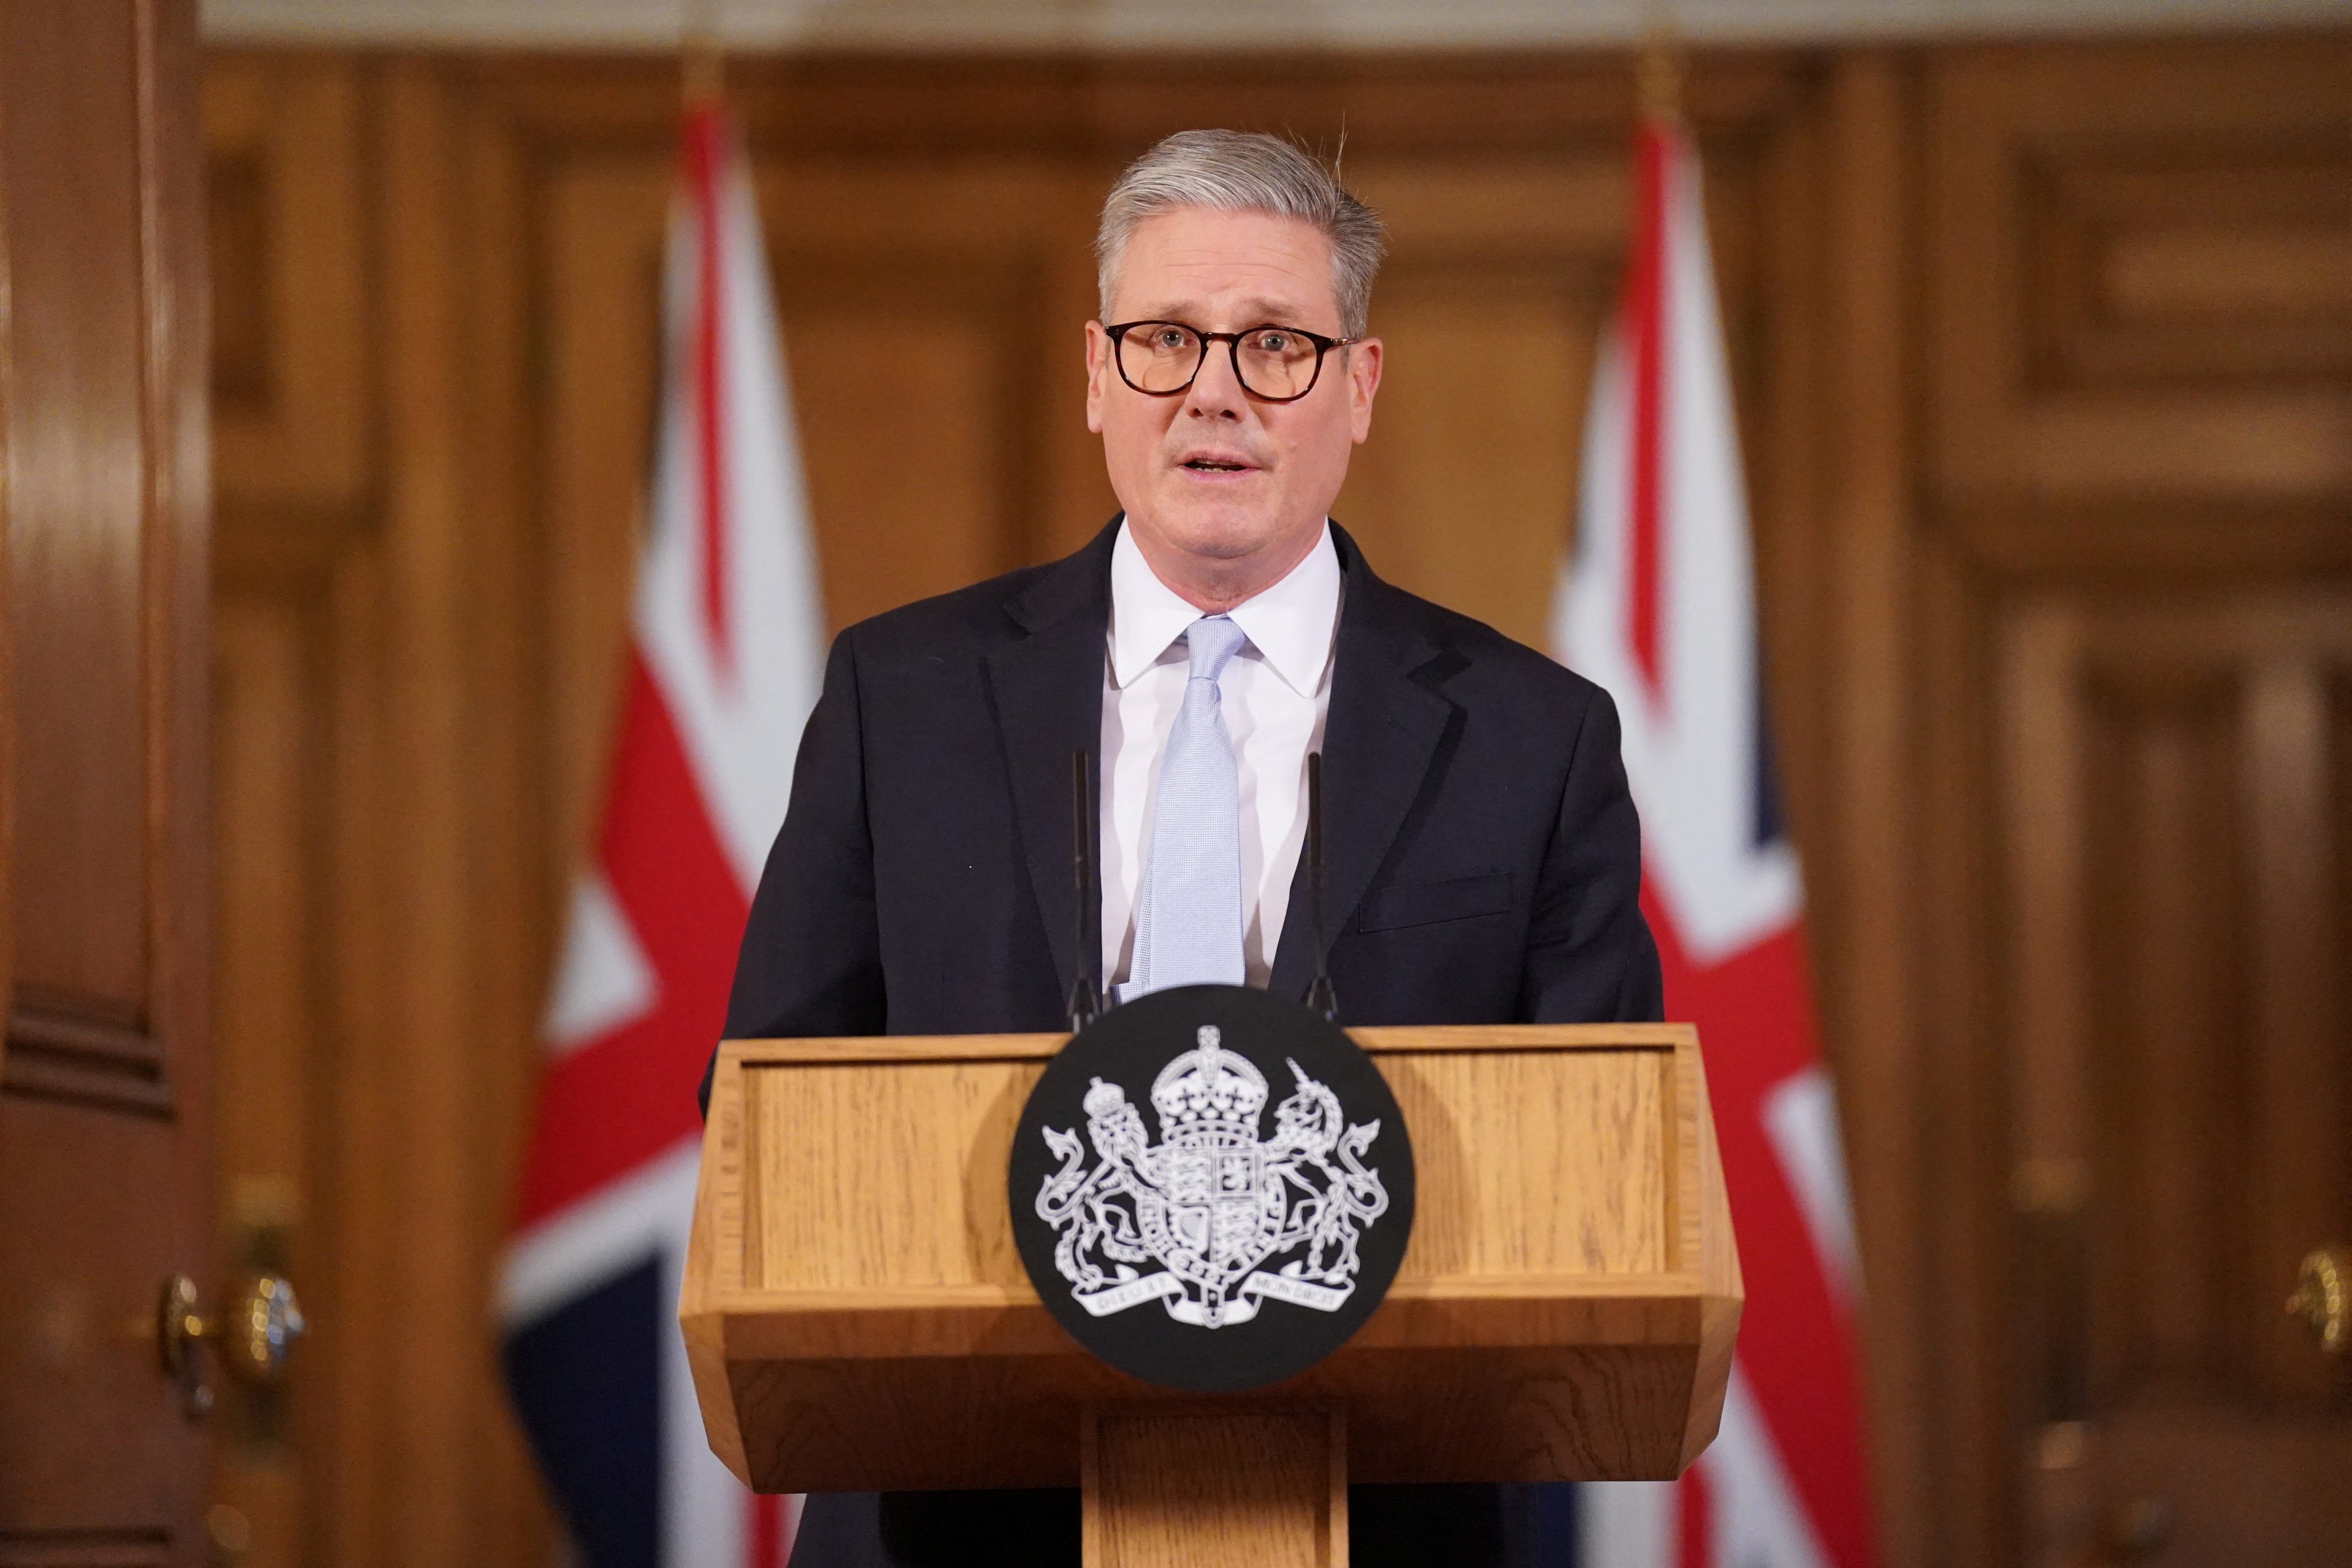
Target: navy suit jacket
x=1482 y=865
x=1482 y=859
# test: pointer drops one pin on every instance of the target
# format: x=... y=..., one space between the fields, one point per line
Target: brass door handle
x=251 y=1336
x=2319 y=1297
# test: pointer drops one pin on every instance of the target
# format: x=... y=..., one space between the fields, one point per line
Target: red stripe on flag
x=1695 y=1535
x=628 y=1095
x=1755 y=1018
x=706 y=151
x=770 y=1544
x=1645 y=327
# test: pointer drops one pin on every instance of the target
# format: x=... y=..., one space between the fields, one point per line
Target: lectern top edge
x=1378 y=1041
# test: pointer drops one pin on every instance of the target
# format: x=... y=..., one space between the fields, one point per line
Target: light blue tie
x=1188 y=920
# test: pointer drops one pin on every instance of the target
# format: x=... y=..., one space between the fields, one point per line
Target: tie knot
x=1210 y=642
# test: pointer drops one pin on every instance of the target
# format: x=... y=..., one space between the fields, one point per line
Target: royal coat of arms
x=1231 y=1219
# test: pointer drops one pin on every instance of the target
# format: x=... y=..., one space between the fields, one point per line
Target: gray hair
x=1246 y=171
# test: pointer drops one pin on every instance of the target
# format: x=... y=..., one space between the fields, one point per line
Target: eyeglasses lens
x=1159 y=356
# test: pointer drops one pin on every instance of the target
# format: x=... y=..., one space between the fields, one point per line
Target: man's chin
x=1221 y=533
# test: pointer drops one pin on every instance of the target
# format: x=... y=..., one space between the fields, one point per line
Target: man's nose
x=1216 y=392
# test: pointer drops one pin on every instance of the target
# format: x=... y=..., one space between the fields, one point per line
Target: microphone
x=1086 y=992
x=1321 y=1000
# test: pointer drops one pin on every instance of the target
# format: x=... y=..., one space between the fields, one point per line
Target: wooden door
x=102 y=507
x=2176 y=773
x=2141 y=647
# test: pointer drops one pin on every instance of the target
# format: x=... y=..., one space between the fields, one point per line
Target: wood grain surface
x=881 y=1179
x=1216 y=1487
x=857 y=1317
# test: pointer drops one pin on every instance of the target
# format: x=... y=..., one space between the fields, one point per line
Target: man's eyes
x=1267 y=340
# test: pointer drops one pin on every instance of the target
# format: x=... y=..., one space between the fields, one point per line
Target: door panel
x=76 y=361
x=2184 y=1088
x=2139 y=418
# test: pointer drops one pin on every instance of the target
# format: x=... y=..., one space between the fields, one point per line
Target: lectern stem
x=1208 y=1487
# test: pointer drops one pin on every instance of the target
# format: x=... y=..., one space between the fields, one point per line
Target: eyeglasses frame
x=1233 y=341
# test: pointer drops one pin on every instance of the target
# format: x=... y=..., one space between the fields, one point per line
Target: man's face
x=1213 y=473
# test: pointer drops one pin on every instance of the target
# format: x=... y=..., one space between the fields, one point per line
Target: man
x=1482 y=859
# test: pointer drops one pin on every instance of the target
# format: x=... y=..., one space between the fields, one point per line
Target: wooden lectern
x=857 y=1318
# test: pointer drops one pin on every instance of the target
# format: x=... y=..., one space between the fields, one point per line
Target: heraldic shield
x=1182 y=1238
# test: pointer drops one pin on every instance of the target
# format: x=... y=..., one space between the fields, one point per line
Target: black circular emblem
x=1211 y=1188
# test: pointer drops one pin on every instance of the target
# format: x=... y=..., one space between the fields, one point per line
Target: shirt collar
x=1290 y=624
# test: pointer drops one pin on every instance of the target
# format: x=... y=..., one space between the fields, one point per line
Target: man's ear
x=1098 y=363
x=1363 y=384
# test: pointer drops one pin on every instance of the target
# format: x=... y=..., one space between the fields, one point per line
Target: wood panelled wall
x=2135 y=612
x=2045 y=364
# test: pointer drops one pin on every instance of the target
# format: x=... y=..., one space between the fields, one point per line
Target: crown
x=1208 y=1091
x=1104 y=1098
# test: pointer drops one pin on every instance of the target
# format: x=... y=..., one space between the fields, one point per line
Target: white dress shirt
x=1274 y=694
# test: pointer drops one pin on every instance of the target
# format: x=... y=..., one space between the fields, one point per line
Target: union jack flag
x=724 y=664
x=1659 y=606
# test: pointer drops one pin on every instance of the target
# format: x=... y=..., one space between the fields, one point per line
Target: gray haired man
x=1482 y=859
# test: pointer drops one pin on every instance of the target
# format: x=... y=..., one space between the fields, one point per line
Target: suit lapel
x=1379 y=736
x=1047 y=689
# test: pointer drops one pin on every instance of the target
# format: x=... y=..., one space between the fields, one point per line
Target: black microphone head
x=1321 y=999
x=1086 y=991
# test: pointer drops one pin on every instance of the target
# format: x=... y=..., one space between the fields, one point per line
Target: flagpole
x=1658 y=73
x=769 y=1523
x=702 y=58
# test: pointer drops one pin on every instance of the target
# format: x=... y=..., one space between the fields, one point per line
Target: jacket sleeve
x=811 y=962
x=1590 y=958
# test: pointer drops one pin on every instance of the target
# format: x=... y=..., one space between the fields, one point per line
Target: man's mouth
x=1216 y=466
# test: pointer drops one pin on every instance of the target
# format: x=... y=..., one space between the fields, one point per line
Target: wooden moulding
x=858 y=1319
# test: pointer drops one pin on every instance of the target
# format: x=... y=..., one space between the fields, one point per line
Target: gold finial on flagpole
x=701 y=57
x=1658 y=68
